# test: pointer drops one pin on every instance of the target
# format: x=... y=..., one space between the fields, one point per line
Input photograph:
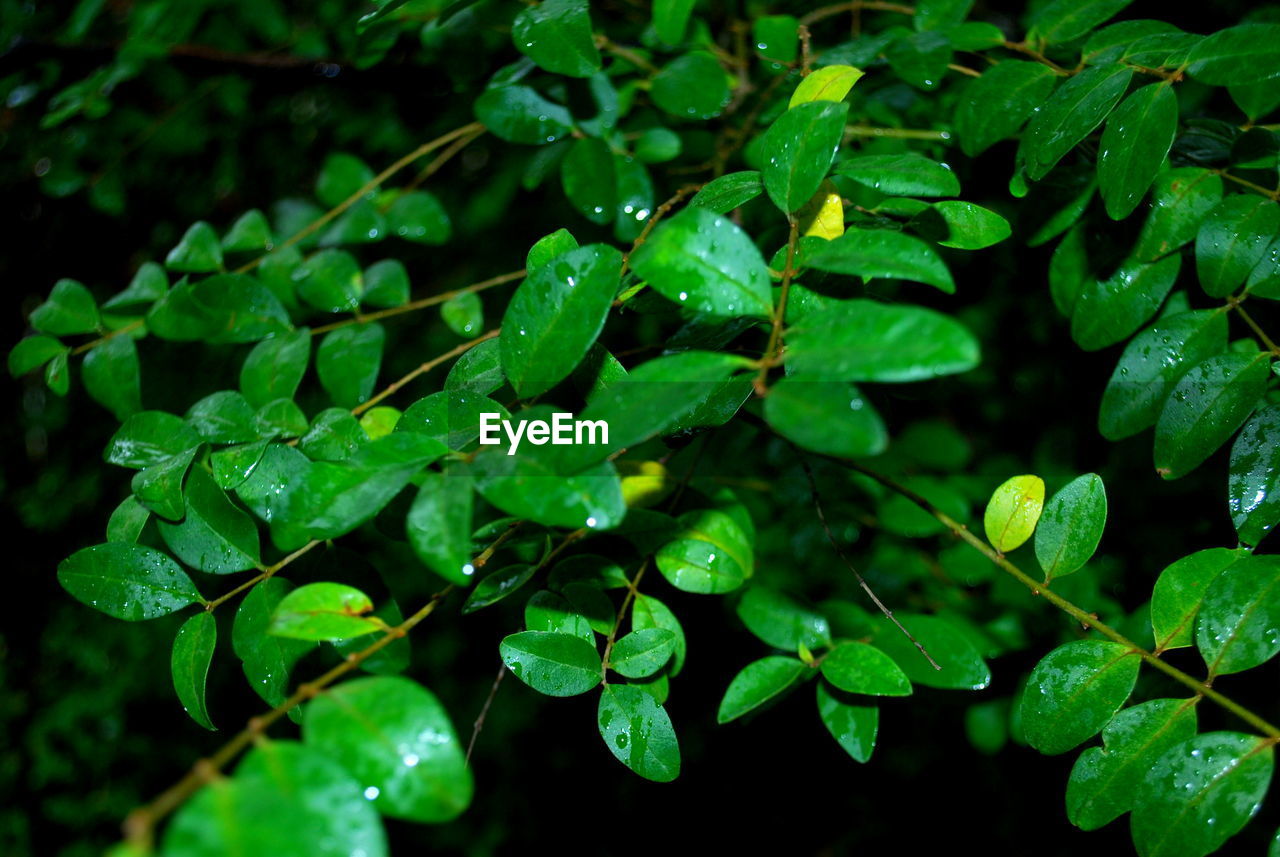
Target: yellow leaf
x=823 y=215
x=644 y=483
x=826 y=84
x=1012 y=512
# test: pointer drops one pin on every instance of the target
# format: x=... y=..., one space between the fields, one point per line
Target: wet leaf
x=214 y=535
x=859 y=668
x=323 y=611
x=1071 y=526
x=127 y=581
x=829 y=83
x=1134 y=144
x=189 y=664
x=758 y=684
x=1205 y=408
x=1238 y=626
x=1074 y=691
x=798 y=149
x=1012 y=512
x=642 y=652
x=1070 y=115
x=551 y=663
x=638 y=731
x=1253 y=486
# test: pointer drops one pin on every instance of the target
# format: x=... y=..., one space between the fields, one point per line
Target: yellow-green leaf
x=826 y=84
x=1012 y=512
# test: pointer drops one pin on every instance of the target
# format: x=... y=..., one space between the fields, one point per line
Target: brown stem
x=422 y=370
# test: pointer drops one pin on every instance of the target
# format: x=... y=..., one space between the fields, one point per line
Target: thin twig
x=484 y=711
x=422 y=303
x=422 y=370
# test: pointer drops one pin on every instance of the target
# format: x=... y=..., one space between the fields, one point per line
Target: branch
x=422 y=370
x=422 y=303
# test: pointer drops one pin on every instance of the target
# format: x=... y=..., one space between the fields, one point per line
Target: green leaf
x=1012 y=512
x=859 y=668
x=722 y=195
x=829 y=83
x=341 y=176
x=759 y=683
x=638 y=731
x=1152 y=364
x=1070 y=115
x=1179 y=591
x=1074 y=691
x=330 y=281
x=334 y=436
x=1205 y=408
x=1238 y=627
x=348 y=361
x=159 y=486
x=112 y=377
x=693 y=86
x=1071 y=526
x=189 y=664
x=127 y=520
x=57 y=374
x=284 y=798
x=906 y=174
x=127 y=581
x=267 y=660
x=555 y=315
x=547 y=611
x=1134 y=144
x=1232 y=240
x=323 y=611
x=464 y=314
x=797 y=151
x=1245 y=53
x=498 y=585
x=776 y=38
x=214 y=536
x=550 y=663
x=199 y=251
x=275 y=366
x=32 y=353
x=518 y=114
x=780 y=621
x=224 y=308
x=1109 y=310
x=921 y=59
x=439 y=526
x=556 y=34
x=1200 y=793
x=149 y=284
x=670 y=18
x=1065 y=20
x=710 y=555
x=853 y=726
x=70 y=309
x=395 y=738
x=264 y=492
x=1253 y=485
x=1105 y=781
x=962 y=664
x=249 y=234
x=961 y=225
x=882 y=253
x=831 y=417
x=386 y=284
x=642 y=652
x=649 y=612
x=419 y=217
x=864 y=340
x=224 y=417
x=450 y=417
x=707 y=263
x=994 y=106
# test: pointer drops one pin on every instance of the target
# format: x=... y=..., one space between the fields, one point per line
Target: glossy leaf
x=882 y=253
x=1071 y=114
x=214 y=535
x=267 y=660
x=642 y=652
x=1179 y=591
x=439 y=525
x=1180 y=199
x=1134 y=144
x=692 y=86
x=551 y=663
x=830 y=417
x=111 y=376
x=1071 y=526
x=829 y=83
x=798 y=149
x=519 y=114
x=853 y=726
x=1253 y=486
x=127 y=581
x=189 y=664
x=859 y=668
x=199 y=251
x=1238 y=626
x=725 y=193
x=323 y=611
x=69 y=309
x=1109 y=310
x=275 y=366
x=556 y=34
x=1232 y=240
x=758 y=684
x=1012 y=512
x=1064 y=20
x=994 y=106
x=1074 y=691
x=348 y=361
x=1245 y=53
x=1205 y=408
x=782 y=622
x=901 y=175
x=638 y=731
x=710 y=555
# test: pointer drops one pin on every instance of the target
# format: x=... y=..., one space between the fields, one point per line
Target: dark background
x=88 y=722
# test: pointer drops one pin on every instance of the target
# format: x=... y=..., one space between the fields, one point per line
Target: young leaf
x=1071 y=526
x=638 y=731
x=705 y=262
x=1200 y=792
x=882 y=253
x=1105 y=781
x=853 y=726
x=1134 y=144
x=555 y=315
x=759 y=683
x=798 y=149
x=1205 y=408
x=1012 y=512
x=1070 y=115
x=127 y=581
x=1152 y=364
x=649 y=612
x=858 y=668
x=323 y=611
x=1074 y=691
x=189 y=664
x=830 y=417
x=829 y=83
x=395 y=738
x=1238 y=626
x=267 y=660
x=642 y=652
x=1253 y=486
x=550 y=663
x=864 y=340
